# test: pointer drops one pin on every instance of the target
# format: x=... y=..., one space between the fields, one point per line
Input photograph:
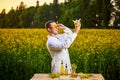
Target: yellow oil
x=77 y=24
x=66 y=72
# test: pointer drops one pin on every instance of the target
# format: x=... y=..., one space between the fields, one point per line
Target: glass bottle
x=66 y=70
x=62 y=68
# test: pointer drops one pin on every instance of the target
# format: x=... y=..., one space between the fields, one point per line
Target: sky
x=7 y=4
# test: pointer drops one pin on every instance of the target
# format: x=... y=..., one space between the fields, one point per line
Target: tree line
x=93 y=14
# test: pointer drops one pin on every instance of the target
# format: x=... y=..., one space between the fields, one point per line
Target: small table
x=39 y=76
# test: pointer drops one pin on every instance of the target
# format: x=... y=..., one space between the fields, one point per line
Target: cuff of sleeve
x=67 y=30
x=74 y=34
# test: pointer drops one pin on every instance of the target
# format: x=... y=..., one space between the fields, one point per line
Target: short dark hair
x=47 y=24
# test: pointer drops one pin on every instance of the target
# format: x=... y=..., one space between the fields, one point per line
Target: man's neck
x=53 y=35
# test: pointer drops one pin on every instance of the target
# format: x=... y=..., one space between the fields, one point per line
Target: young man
x=58 y=45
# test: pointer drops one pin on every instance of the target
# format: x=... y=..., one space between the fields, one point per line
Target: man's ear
x=49 y=30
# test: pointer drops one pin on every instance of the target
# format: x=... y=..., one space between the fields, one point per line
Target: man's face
x=54 y=28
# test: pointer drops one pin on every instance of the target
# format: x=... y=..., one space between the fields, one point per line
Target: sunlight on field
x=89 y=37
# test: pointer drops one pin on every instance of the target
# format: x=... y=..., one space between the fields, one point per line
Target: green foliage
x=42 y=15
x=3 y=19
x=23 y=52
x=11 y=18
x=26 y=17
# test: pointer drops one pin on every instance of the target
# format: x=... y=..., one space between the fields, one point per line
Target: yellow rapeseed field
x=23 y=52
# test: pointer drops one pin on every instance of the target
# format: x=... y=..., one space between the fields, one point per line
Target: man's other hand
x=61 y=26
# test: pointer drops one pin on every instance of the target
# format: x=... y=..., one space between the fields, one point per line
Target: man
x=58 y=45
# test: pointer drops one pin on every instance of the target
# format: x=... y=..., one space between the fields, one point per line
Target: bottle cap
x=66 y=65
x=62 y=62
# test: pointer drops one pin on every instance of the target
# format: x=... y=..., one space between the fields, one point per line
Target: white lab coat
x=58 y=48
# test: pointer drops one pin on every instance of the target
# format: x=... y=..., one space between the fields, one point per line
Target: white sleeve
x=58 y=45
x=68 y=31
